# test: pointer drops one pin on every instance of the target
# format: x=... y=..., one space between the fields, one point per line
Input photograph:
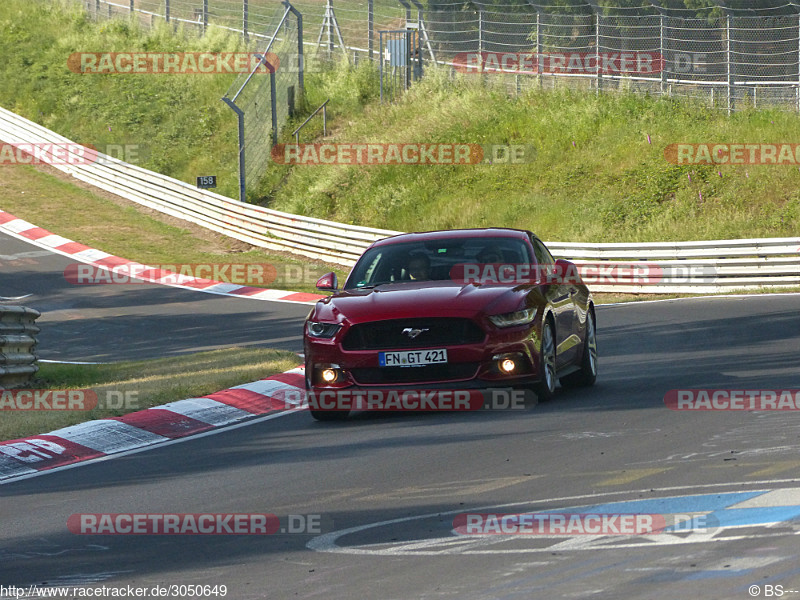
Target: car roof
x=422 y=236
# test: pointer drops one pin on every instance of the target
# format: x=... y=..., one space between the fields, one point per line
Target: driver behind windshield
x=419 y=267
x=490 y=255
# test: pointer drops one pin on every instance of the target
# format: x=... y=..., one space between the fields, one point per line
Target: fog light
x=507 y=365
x=329 y=375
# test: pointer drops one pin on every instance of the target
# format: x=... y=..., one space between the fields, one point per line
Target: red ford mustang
x=457 y=310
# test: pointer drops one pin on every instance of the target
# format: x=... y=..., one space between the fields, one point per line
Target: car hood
x=424 y=299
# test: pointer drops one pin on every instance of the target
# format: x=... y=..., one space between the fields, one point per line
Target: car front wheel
x=587 y=374
x=547 y=363
x=323 y=415
x=329 y=415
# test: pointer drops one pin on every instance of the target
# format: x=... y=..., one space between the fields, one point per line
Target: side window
x=543 y=256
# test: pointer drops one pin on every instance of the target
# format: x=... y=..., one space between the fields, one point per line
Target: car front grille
x=433 y=333
x=408 y=375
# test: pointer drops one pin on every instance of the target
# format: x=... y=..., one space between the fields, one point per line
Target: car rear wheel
x=547 y=362
x=587 y=374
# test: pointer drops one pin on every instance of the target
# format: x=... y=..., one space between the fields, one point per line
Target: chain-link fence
x=730 y=57
x=264 y=98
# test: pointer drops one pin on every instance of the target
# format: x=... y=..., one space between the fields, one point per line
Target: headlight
x=519 y=317
x=322 y=330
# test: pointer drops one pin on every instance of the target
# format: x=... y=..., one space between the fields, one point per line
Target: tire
x=325 y=415
x=329 y=415
x=587 y=374
x=546 y=387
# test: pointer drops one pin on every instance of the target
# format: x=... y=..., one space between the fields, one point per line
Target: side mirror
x=567 y=272
x=329 y=281
x=562 y=265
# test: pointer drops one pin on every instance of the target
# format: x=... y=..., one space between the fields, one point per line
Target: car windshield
x=432 y=260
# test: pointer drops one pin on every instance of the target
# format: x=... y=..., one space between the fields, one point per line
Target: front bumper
x=469 y=366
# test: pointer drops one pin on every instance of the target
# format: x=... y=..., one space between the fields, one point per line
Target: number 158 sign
x=207 y=181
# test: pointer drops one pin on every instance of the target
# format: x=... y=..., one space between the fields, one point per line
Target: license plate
x=412 y=358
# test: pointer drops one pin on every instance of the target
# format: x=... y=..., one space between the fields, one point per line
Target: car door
x=562 y=297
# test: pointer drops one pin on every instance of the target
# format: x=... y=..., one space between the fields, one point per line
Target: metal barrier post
x=18 y=358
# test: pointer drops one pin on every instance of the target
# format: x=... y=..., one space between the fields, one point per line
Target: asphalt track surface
x=135 y=321
x=387 y=486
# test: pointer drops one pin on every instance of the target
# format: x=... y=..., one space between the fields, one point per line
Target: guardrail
x=719 y=265
x=704 y=267
x=271 y=229
x=18 y=358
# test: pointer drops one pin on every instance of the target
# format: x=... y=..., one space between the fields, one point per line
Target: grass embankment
x=177 y=123
x=142 y=235
x=598 y=174
x=153 y=382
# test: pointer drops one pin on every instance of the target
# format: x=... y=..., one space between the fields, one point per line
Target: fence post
x=480 y=30
x=729 y=66
x=273 y=95
x=166 y=11
x=240 y=116
x=245 y=19
x=329 y=8
x=300 y=53
x=663 y=52
x=205 y=16
x=539 y=47
x=370 y=28
x=132 y=7
x=597 y=49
